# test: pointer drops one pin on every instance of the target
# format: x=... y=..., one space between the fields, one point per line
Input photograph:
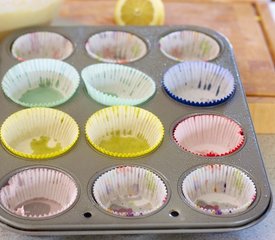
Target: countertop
x=263 y=230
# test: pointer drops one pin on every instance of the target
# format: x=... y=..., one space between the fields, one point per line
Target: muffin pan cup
x=116 y=47
x=114 y=84
x=38 y=193
x=221 y=135
x=41 y=45
x=40 y=83
x=49 y=133
x=85 y=164
x=130 y=191
x=124 y=131
x=189 y=45
x=219 y=189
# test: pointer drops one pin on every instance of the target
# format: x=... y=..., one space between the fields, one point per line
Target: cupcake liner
x=124 y=131
x=116 y=47
x=41 y=83
x=130 y=191
x=41 y=45
x=209 y=135
x=219 y=190
x=48 y=133
x=199 y=83
x=112 y=84
x=38 y=193
x=189 y=45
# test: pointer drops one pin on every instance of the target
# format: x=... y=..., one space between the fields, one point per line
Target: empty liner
x=116 y=47
x=38 y=193
x=199 y=83
x=39 y=133
x=124 y=131
x=41 y=83
x=219 y=190
x=189 y=45
x=41 y=45
x=112 y=84
x=209 y=135
x=130 y=191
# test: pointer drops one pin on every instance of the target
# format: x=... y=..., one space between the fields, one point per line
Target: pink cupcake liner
x=209 y=135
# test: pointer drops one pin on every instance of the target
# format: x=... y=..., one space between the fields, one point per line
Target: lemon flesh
x=139 y=12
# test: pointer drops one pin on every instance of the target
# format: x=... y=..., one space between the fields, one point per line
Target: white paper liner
x=116 y=47
x=124 y=131
x=41 y=83
x=38 y=193
x=219 y=189
x=189 y=45
x=209 y=135
x=112 y=84
x=39 y=133
x=41 y=45
x=199 y=83
x=130 y=191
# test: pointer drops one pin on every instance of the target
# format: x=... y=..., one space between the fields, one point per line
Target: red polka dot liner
x=209 y=135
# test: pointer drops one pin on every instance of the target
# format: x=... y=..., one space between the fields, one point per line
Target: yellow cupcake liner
x=122 y=124
x=39 y=133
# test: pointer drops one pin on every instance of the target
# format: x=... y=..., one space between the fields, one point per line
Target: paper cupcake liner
x=209 y=135
x=38 y=193
x=116 y=47
x=130 y=191
x=219 y=190
x=41 y=83
x=124 y=131
x=189 y=45
x=199 y=83
x=39 y=133
x=112 y=84
x=41 y=45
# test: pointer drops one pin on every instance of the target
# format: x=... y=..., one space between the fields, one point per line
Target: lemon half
x=139 y=12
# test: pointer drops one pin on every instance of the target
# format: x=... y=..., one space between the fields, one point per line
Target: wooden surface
x=240 y=21
x=268 y=25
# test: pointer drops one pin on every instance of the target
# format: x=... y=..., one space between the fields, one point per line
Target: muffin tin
x=170 y=163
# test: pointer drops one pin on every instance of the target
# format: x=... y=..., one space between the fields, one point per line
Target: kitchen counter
x=263 y=230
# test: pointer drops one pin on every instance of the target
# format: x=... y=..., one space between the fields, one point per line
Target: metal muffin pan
x=84 y=164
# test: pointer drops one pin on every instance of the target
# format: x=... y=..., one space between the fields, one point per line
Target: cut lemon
x=139 y=12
